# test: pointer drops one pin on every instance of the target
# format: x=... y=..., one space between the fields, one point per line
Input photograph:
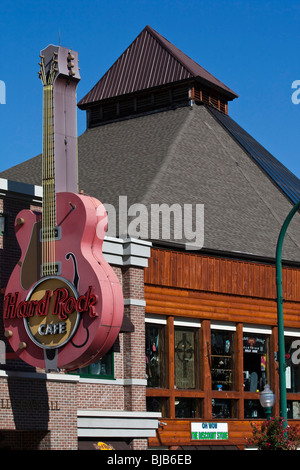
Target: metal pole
x=281 y=347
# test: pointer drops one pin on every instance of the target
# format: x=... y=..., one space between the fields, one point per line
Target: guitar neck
x=48 y=176
x=48 y=232
x=59 y=75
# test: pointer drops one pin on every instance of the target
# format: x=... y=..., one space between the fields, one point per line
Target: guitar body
x=84 y=298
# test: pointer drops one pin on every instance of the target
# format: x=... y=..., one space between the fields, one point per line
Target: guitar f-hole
x=76 y=276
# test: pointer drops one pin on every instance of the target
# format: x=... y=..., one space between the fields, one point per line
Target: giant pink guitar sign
x=63 y=305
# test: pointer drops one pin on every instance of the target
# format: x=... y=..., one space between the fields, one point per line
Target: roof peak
x=150 y=61
x=189 y=63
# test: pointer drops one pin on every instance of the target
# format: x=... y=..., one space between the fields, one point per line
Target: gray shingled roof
x=184 y=156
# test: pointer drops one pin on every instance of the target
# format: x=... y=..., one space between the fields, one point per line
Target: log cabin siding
x=179 y=433
x=220 y=275
x=195 y=285
x=210 y=288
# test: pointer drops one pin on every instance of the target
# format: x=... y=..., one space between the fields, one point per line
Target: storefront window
x=223 y=409
x=187 y=407
x=222 y=360
x=292 y=355
x=256 y=361
x=101 y=369
x=158 y=404
x=186 y=358
x=253 y=409
x=155 y=356
x=293 y=409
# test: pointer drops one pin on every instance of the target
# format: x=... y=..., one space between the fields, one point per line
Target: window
x=155 y=355
x=2 y=224
x=223 y=409
x=158 y=404
x=186 y=357
x=101 y=369
x=256 y=361
x=292 y=354
x=222 y=360
x=293 y=409
x=187 y=407
x=253 y=409
x=192 y=368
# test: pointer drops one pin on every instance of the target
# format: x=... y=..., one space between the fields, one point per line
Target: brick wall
x=39 y=413
x=46 y=410
x=10 y=253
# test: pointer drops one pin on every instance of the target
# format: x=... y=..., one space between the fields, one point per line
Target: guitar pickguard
x=30 y=268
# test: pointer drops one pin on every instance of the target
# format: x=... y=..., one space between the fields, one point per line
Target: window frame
x=89 y=375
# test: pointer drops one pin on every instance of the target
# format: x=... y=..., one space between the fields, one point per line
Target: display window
x=187 y=407
x=158 y=405
x=292 y=357
x=215 y=370
x=256 y=359
x=155 y=355
x=222 y=360
x=186 y=357
x=253 y=409
x=293 y=409
x=224 y=409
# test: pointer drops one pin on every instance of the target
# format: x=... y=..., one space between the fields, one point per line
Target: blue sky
x=252 y=46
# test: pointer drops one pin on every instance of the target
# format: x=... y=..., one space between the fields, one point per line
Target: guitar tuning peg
x=42 y=57
x=72 y=73
x=70 y=65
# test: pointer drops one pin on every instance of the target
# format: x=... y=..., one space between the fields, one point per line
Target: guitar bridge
x=48 y=269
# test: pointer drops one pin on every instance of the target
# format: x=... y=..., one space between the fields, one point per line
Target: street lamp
x=281 y=347
x=267 y=400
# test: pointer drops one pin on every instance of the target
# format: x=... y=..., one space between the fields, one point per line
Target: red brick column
x=134 y=343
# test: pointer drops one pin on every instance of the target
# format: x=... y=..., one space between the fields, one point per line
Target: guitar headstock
x=57 y=60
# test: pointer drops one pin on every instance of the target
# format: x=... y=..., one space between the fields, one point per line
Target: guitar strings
x=49 y=202
x=52 y=188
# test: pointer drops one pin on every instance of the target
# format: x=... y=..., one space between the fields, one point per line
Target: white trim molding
x=52 y=376
x=114 y=382
x=135 y=302
x=98 y=423
x=128 y=252
x=264 y=330
x=23 y=188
